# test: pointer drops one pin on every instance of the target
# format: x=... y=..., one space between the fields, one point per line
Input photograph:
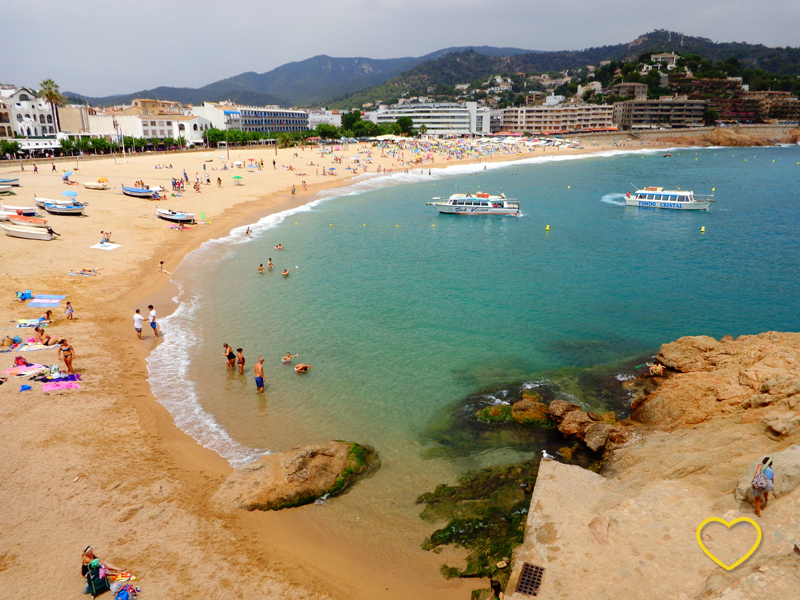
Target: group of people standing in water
x=233 y=360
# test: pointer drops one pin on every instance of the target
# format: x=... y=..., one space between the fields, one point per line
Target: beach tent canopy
x=69 y=193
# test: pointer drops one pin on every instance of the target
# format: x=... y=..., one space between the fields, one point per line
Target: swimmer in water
x=240 y=360
x=269 y=265
x=285 y=272
x=302 y=368
x=261 y=268
x=288 y=358
x=279 y=247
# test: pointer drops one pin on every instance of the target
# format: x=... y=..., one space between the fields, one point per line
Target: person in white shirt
x=152 y=320
x=138 y=319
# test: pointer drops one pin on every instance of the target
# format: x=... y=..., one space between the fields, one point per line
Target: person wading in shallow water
x=259 y=373
x=763 y=483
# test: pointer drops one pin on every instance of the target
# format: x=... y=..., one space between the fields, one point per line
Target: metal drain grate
x=530 y=579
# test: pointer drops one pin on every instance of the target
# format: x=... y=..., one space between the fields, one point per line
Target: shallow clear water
x=401 y=311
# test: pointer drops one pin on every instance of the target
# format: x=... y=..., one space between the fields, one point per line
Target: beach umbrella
x=69 y=193
x=68 y=173
x=251 y=159
x=102 y=180
x=238 y=162
x=238 y=177
x=222 y=156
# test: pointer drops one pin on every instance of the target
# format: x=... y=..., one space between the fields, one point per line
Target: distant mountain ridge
x=305 y=83
x=346 y=82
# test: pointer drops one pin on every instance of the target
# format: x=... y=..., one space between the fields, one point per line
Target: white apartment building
x=561 y=118
x=252 y=118
x=444 y=119
x=324 y=117
x=28 y=115
x=191 y=128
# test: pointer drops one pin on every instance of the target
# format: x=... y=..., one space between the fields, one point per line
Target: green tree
x=406 y=125
x=49 y=91
x=710 y=117
x=100 y=145
x=328 y=132
x=519 y=100
x=7 y=147
x=423 y=130
x=350 y=119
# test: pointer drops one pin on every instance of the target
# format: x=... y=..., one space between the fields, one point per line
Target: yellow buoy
x=433 y=225
x=365 y=224
x=397 y=225
x=702 y=229
x=745 y=160
x=547 y=228
x=695 y=159
x=295 y=223
x=713 y=189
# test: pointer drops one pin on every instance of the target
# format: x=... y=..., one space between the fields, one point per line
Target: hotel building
x=558 y=118
x=446 y=119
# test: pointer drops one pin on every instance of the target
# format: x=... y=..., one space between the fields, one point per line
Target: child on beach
x=69 y=311
x=288 y=358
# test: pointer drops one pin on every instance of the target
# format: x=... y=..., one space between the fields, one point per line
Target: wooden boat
x=30 y=221
x=28 y=211
x=96 y=186
x=6 y=189
x=140 y=193
x=64 y=209
x=29 y=233
x=40 y=202
x=14 y=181
x=174 y=216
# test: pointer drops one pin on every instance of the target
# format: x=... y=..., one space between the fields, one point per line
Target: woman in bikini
x=67 y=352
x=240 y=360
x=44 y=339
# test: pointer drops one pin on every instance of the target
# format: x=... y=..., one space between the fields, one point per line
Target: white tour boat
x=478 y=204
x=656 y=197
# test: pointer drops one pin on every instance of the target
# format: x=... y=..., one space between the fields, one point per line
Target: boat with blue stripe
x=657 y=197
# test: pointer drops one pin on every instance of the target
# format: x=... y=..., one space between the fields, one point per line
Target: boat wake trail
x=616 y=199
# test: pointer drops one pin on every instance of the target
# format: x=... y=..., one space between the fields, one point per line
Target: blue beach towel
x=48 y=296
x=35 y=304
x=25 y=388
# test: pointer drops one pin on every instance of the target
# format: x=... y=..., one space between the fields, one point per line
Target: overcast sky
x=100 y=48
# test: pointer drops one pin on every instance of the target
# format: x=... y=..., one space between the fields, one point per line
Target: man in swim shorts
x=259 y=371
x=152 y=320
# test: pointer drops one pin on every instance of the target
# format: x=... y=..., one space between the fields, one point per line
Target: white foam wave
x=624 y=377
x=616 y=199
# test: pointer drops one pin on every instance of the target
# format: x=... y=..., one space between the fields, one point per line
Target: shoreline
x=142 y=433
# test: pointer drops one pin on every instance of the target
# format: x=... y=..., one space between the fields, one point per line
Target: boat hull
x=449 y=209
x=28 y=233
x=25 y=211
x=96 y=186
x=175 y=217
x=61 y=209
x=667 y=204
x=14 y=182
x=29 y=221
x=138 y=193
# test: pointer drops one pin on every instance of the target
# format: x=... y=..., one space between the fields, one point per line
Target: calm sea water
x=401 y=311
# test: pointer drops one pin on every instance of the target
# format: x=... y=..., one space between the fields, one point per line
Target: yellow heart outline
x=728 y=525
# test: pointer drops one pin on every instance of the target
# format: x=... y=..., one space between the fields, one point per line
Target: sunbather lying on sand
x=44 y=339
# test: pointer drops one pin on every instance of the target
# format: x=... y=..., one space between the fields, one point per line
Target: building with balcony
x=630 y=90
x=445 y=119
x=28 y=115
x=668 y=111
x=561 y=118
x=262 y=119
x=324 y=117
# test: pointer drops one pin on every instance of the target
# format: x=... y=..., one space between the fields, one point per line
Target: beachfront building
x=561 y=118
x=112 y=124
x=324 y=117
x=668 y=111
x=29 y=115
x=441 y=119
x=5 y=119
x=260 y=119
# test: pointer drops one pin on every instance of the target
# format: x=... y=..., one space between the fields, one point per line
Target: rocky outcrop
x=296 y=477
x=559 y=408
x=717 y=137
x=793 y=137
x=723 y=377
x=596 y=431
x=526 y=411
x=786 y=465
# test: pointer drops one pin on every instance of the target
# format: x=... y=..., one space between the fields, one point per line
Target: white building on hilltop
x=444 y=119
x=29 y=116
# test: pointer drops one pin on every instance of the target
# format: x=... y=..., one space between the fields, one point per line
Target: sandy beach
x=105 y=465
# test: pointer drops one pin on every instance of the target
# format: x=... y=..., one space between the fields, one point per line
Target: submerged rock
x=298 y=476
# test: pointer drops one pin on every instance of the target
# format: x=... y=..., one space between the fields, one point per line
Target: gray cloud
x=100 y=48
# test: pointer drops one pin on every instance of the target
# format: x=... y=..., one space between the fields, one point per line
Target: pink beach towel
x=60 y=385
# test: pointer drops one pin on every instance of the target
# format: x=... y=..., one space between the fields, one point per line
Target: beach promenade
x=105 y=465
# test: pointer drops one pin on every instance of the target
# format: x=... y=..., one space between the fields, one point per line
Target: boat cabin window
x=459 y=202
x=484 y=204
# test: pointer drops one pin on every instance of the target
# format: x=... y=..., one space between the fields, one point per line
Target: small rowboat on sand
x=28 y=211
x=140 y=193
x=97 y=185
x=64 y=209
x=174 y=216
x=12 y=181
x=29 y=233
x=30 y=221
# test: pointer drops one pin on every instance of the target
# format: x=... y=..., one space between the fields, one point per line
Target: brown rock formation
x=559 y=408
x=296 y=477
x=527 y=410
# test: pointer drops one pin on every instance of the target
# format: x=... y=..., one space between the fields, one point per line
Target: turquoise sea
x=401 y=311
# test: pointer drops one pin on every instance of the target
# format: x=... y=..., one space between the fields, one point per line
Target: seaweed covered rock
x=527 y=410
x=298 y=476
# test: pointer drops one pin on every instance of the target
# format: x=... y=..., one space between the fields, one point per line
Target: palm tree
x=49 y=91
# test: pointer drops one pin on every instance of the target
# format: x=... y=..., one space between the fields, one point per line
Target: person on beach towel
x=94 y=571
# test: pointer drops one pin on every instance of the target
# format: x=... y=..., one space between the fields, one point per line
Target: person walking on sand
x=67 y=352
x=69 y=311
x=152 y=320
x=230 y=357
x=259 y=372
x=240 y=360
x=54 y=168
x=138 y=319
x=763 y=483
x=219 y=182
